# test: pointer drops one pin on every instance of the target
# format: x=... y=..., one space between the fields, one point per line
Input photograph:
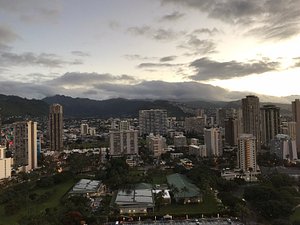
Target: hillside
x=83 y=107
x=17 y=106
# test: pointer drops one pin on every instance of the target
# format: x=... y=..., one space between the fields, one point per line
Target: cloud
x=159 y=34
x=207 y=69
x=168 y=58
x=7 y=35
x=210 y=32
x=88 y=79
x=268 y=19
x=297 y=62
x=198 y=46
x=174 y=16
x=80 y=53
x=32 y=10
x=32 y=59
x=138 y=57
x=153 y=65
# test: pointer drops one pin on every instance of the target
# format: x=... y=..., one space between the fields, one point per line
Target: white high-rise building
x=284 y=147
x=123 y=142
x=5 y=164
x=246 y=155
x=124 y=125
x=84 y=129
x=157 y=144
x=25 y=145
x=213 y=141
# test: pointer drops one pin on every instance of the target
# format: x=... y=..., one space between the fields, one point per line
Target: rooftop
x=85 y=186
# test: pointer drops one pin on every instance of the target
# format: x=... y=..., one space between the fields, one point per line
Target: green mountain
x=21 y=107
x=119 y=107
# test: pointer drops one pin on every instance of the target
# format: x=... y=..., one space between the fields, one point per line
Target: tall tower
x=296 y=118
x=251 y=118
x=246 y=155
x=56 y=127
x=270 y=123
x=213 y=141
x=153 y=121
x=25 y=145
x=231 y=131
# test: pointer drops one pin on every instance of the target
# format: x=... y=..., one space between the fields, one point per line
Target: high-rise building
x=246 y=155
x=5 y=164
x=194 y=124
x=25 y=145
x=213 y=141
x=232 y=131
x=157 y=144
x=180 y=141
x=123 y=142
x=56 y=127
x=270 y=123
x=153 y=121
x=84 y=129
x=221 y=116
x=124 y=125
x=296 y=118
x=251 y=118
x=289 y=128
x=284 y=147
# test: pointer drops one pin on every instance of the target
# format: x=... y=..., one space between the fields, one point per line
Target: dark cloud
x=32 y=59
x=198 y=46
x=7 y=35
x=174 y=16
x=80 y=53
x=153 y=65
x=83 y=79
x=32 y=10
x=142 y=90
x=207 y=69
x=168 y=58
x=159 y=34
x=268 y=19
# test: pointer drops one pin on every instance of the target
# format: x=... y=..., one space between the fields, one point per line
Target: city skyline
x=150 y=49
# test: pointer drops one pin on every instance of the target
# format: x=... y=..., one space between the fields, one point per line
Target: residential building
x=180 y=141
x=123 y=142
x=5 y=164
x=124 y=125
x=56 y=127
x=246 y=155
x=153 y=121
x=289 y=128
x=194 y=124
x=25 y=145
x=232 y=131
x=84 y=129
x=284 y=147
x=296 y=118
x=157 y=144
x=251 y=118
x=213 y=141
x=270 y=123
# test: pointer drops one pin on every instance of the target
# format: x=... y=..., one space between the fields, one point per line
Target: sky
x=159 y=49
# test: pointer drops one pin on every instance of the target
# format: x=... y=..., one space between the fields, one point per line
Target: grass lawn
x=208 y=206
x=295 y=216
x=35 y=208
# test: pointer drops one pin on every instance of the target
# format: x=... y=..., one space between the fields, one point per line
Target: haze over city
x=168 y=49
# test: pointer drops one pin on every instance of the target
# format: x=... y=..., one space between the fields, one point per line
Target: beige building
x=246 y=155
x=213 y=141
x=157 y=144
x=56 y=127
x=123 y=142
x=5 y=164
x=25 y=145
x=289 y=128
x=84 y=129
